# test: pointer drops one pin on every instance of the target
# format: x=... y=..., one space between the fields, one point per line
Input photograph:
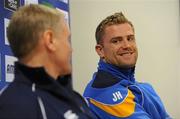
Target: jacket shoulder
x=17 y=101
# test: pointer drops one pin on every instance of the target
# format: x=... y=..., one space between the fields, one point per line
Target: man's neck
x=40 y=60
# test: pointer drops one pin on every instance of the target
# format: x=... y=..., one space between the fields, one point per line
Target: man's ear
x=99 y=50
x=49 y=40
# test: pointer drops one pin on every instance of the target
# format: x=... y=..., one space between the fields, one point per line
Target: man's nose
x=126 y=43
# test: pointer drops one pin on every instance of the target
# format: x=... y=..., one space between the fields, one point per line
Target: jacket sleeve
x=155 y=99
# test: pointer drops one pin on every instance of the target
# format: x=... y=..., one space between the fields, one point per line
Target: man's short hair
x=116 y=18
x=27 y=24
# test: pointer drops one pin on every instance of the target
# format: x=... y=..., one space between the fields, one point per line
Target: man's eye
x=130 y=38
x=116 y=40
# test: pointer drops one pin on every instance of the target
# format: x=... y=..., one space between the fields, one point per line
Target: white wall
x=157 y=32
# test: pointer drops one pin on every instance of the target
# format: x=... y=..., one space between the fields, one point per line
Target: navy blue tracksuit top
x=35 y=95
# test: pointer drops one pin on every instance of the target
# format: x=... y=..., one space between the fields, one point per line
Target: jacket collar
x=39 y=76
x=109 y=75
x=120 y=73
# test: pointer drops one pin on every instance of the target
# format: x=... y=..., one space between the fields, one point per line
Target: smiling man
x=113 y=93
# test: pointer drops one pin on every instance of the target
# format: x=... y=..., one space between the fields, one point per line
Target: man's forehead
x=118 y=30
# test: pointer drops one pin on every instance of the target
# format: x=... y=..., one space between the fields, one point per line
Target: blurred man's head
x=39 y=36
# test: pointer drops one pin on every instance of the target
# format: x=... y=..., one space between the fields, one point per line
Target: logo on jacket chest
x=117 y=96
x=70 y=115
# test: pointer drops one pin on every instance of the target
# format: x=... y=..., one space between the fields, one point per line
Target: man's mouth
x=126 y=53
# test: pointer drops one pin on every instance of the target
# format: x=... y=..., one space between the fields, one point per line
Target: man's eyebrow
x=119 y=37
x=131 y=35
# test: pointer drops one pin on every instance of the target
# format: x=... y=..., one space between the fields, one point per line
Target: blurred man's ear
x=99 y=50
x=49 y=40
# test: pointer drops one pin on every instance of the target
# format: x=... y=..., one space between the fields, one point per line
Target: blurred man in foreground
x=39 y=38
